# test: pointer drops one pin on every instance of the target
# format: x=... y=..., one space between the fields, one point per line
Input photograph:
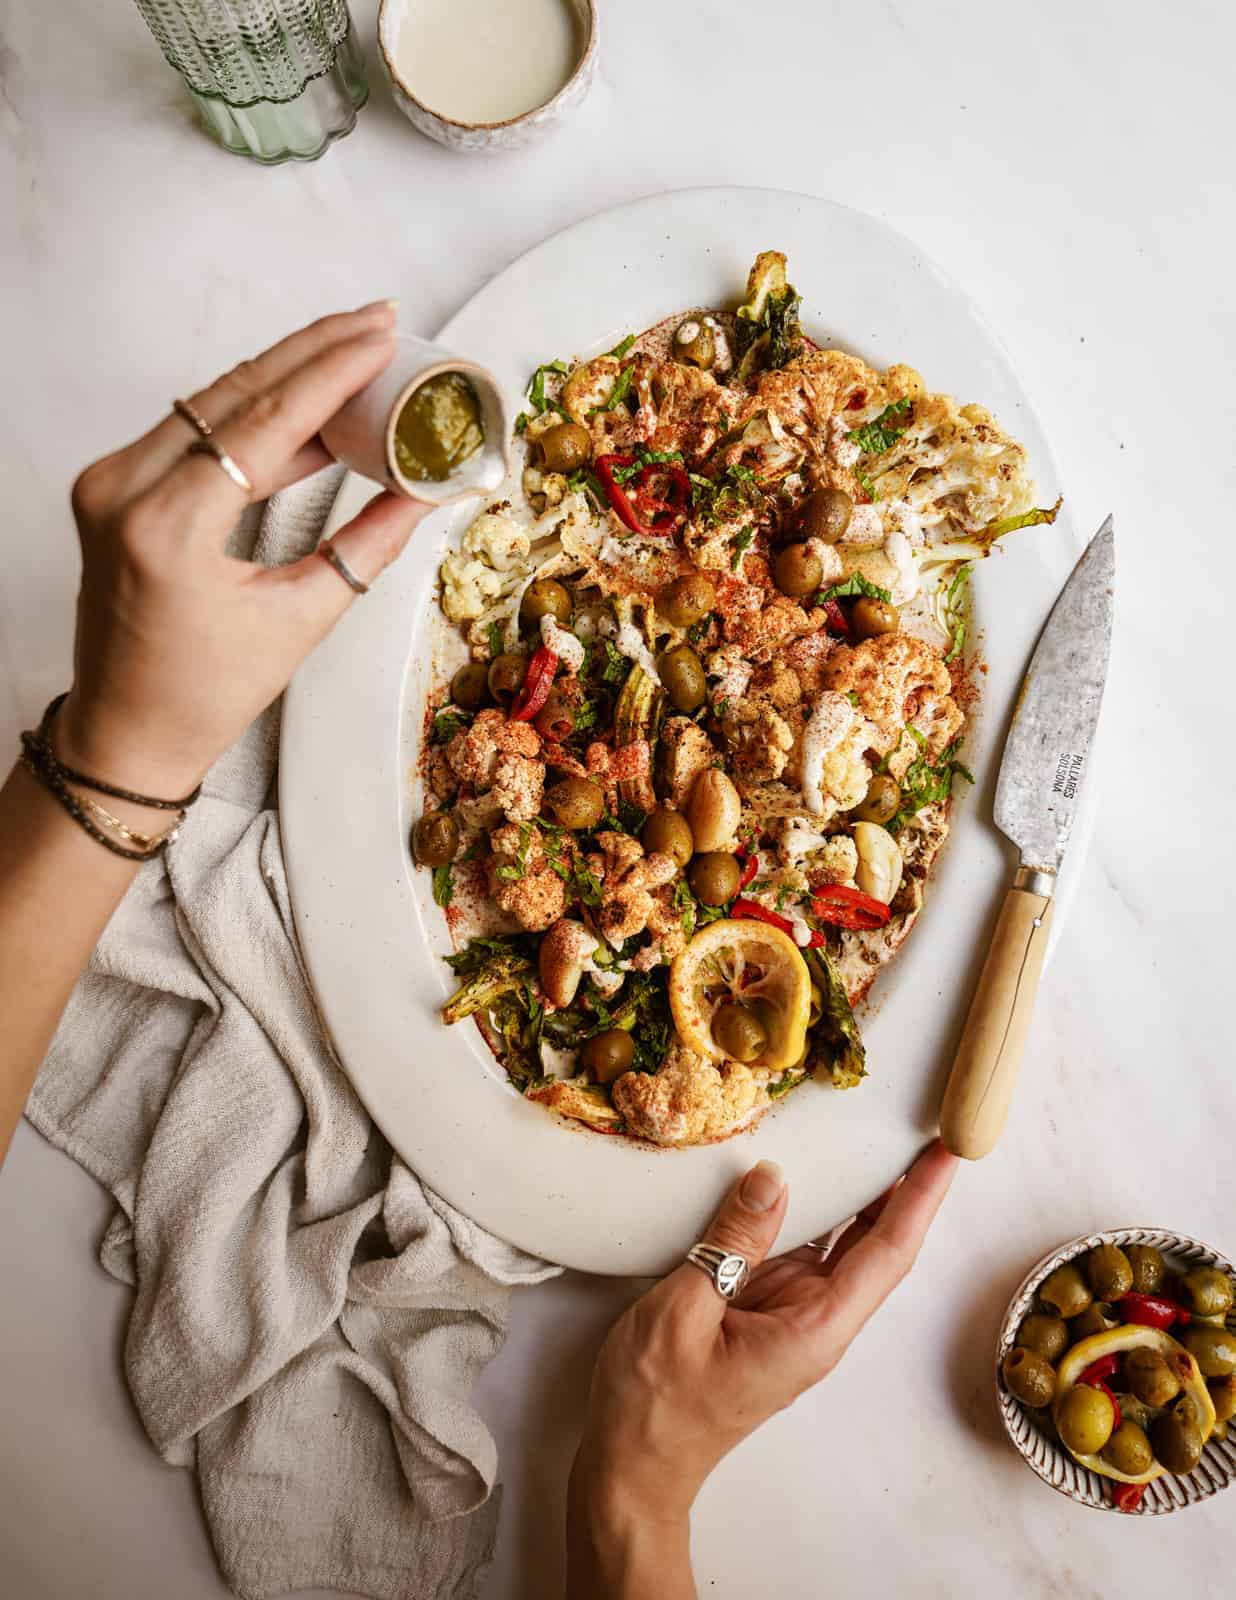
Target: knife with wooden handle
x=1044 y=762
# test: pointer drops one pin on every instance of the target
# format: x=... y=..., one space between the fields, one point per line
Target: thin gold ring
x=330 y=555
x=193 y=417
x=208 y=445
x=211 y=447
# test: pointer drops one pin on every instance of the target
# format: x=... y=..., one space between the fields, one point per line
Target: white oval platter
x=370 y=932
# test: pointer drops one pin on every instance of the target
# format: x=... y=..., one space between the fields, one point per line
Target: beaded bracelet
x=41 y=762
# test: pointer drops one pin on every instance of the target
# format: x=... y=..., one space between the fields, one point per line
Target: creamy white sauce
x=563 y=643
x=630 y=642
x=487 y=60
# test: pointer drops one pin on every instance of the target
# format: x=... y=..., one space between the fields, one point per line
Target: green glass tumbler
x=275 y=80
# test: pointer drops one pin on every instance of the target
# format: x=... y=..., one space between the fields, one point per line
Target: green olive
x=565 y=447
x=694 y=343
x=544 y=598
x=1097 y=1318
x=435 y=839
x=669 y=834
x=1214 y=1350
x=826 y=515
x=739 y=1031
x=1046 y=1336
x=798 y=570
x=1134 y=1410
x=1208 y=1292
x=868 y=618
x=1029 y=1377
x=1128 y=1450
x=470 y=686
x=506 y=676
x=556 y=718
x=1085 y=1419
x=576 y=802
x=882 y=801
x=714 y=877
x=683 y=678
x=688 y=599
x=608 y=1055
x=1223 y=1395
x=1176 y=1437
x=1148 y=1376
x=1109 y=1272
x=1148 y=1268
x=1064 y=1291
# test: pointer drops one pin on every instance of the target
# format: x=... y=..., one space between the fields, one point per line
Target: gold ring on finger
x=211 y=447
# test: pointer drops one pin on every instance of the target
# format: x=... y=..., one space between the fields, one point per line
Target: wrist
x=123 y=755
x=621 y=1544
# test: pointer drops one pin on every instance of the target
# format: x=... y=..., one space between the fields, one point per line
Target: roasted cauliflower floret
x=688 y=1100
x=831 y=757
x=521 y=880
x=473 y=753
x=518 y=787
x=829 y=857
x=628 y=878
x=498 y=540
x=760 y=739
x=477 y=573
x=468 y=587
x=899 y=680
x=685 y=751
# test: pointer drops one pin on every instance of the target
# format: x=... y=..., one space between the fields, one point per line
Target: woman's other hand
x=179 y=646
x=684 y=1376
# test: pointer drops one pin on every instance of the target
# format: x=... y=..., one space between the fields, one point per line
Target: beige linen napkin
x=308 y=1318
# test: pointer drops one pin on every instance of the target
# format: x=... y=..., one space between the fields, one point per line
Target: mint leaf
x=618 y=393
x=874 y=438
x=856 y=584
x=955 y=606
x=623 y=345
x=443 y=884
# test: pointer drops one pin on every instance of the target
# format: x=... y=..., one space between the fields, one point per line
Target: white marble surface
x=1072 y=165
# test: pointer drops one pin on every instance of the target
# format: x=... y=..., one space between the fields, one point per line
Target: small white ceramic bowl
x=488 y=138
x=362 y=434
x=1033 y=1434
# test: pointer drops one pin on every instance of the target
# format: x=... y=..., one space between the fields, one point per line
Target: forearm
x=58 y=888
x=619 y=1551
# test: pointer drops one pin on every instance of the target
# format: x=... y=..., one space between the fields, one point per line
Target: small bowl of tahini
x=488 y=75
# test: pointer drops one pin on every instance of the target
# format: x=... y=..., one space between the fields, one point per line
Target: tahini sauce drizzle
x=487 y=60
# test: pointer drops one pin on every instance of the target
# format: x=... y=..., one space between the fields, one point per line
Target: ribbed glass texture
x=274 y=79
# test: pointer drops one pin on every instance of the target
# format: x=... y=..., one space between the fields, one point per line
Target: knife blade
x=1044 y=763
x=1057 y=713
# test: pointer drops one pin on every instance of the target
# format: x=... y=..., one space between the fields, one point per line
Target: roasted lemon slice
x=1115 y=1342
x=750 y=962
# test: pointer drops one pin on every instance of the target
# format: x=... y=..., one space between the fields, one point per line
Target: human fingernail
x=379 y=310
x=761 y=1188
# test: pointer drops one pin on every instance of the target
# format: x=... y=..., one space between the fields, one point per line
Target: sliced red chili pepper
x=751 y=865
x=837 y=622
x=755 y=912
x=1127 y=1496
x=663 y=511
x=605 y=468
x=849 y=908
x=1151 y=1310
x=536 y=685
x=1104 y=1367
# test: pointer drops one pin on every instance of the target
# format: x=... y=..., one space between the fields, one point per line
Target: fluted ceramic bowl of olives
x=1116 y=1371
